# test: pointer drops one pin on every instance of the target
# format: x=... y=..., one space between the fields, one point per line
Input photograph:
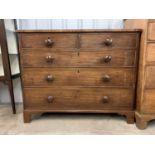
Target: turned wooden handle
x=107 y=58
x=48 y=42
x=106 y=78
x=50 y=99
x=108 y=42
x=49 y=78
x=105 y=99
x=49 y=59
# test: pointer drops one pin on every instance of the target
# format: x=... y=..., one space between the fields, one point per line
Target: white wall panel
x=4 y=92
x=72 y=24
x=10 y=36
x=57 y=24
x=42 y=24
x=69 y=23
x=1 y=66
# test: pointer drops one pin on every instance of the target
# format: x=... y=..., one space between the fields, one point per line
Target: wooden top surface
x=80 y=30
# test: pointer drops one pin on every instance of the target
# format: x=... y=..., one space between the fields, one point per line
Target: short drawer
x=78 y=77
x=108 y=40
x=149 y=101
x=48 y=40
x=150 y=77
x=150 y=55
x=71 y=98
x=47 y=58
x=151 y=31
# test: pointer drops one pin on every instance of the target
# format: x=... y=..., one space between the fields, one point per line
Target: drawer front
x=150 y=77
x=151 y=31
x=48 y=40
x=45 y=58
x=108 y=40
x=149 y=101
x=78 y=77
x=150 y=56
x=78 y=98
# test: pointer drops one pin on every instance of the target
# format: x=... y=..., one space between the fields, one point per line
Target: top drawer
x=78 y=40
x=108 y=40
x=48 y=40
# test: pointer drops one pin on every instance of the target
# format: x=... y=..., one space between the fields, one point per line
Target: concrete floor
x=67 y=124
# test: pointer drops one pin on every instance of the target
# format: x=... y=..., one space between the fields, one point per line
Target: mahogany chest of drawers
x=85 y=71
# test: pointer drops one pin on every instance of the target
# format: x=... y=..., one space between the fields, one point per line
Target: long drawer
x=79 y=77
x=100 y=58
x=84 y=40
x=71 y=98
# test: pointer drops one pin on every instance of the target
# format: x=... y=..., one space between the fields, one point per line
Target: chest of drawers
x=145 y=110
x=84 y=71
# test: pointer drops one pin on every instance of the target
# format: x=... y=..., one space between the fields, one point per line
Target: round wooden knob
x=108 y=42
x=49 y=78
x=107 y=58
x=106 y=78
x=49 y=59
x=48 y=42
x=105 y=99
x=50 y=99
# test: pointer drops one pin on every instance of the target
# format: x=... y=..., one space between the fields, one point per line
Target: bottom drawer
x=76 y=98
